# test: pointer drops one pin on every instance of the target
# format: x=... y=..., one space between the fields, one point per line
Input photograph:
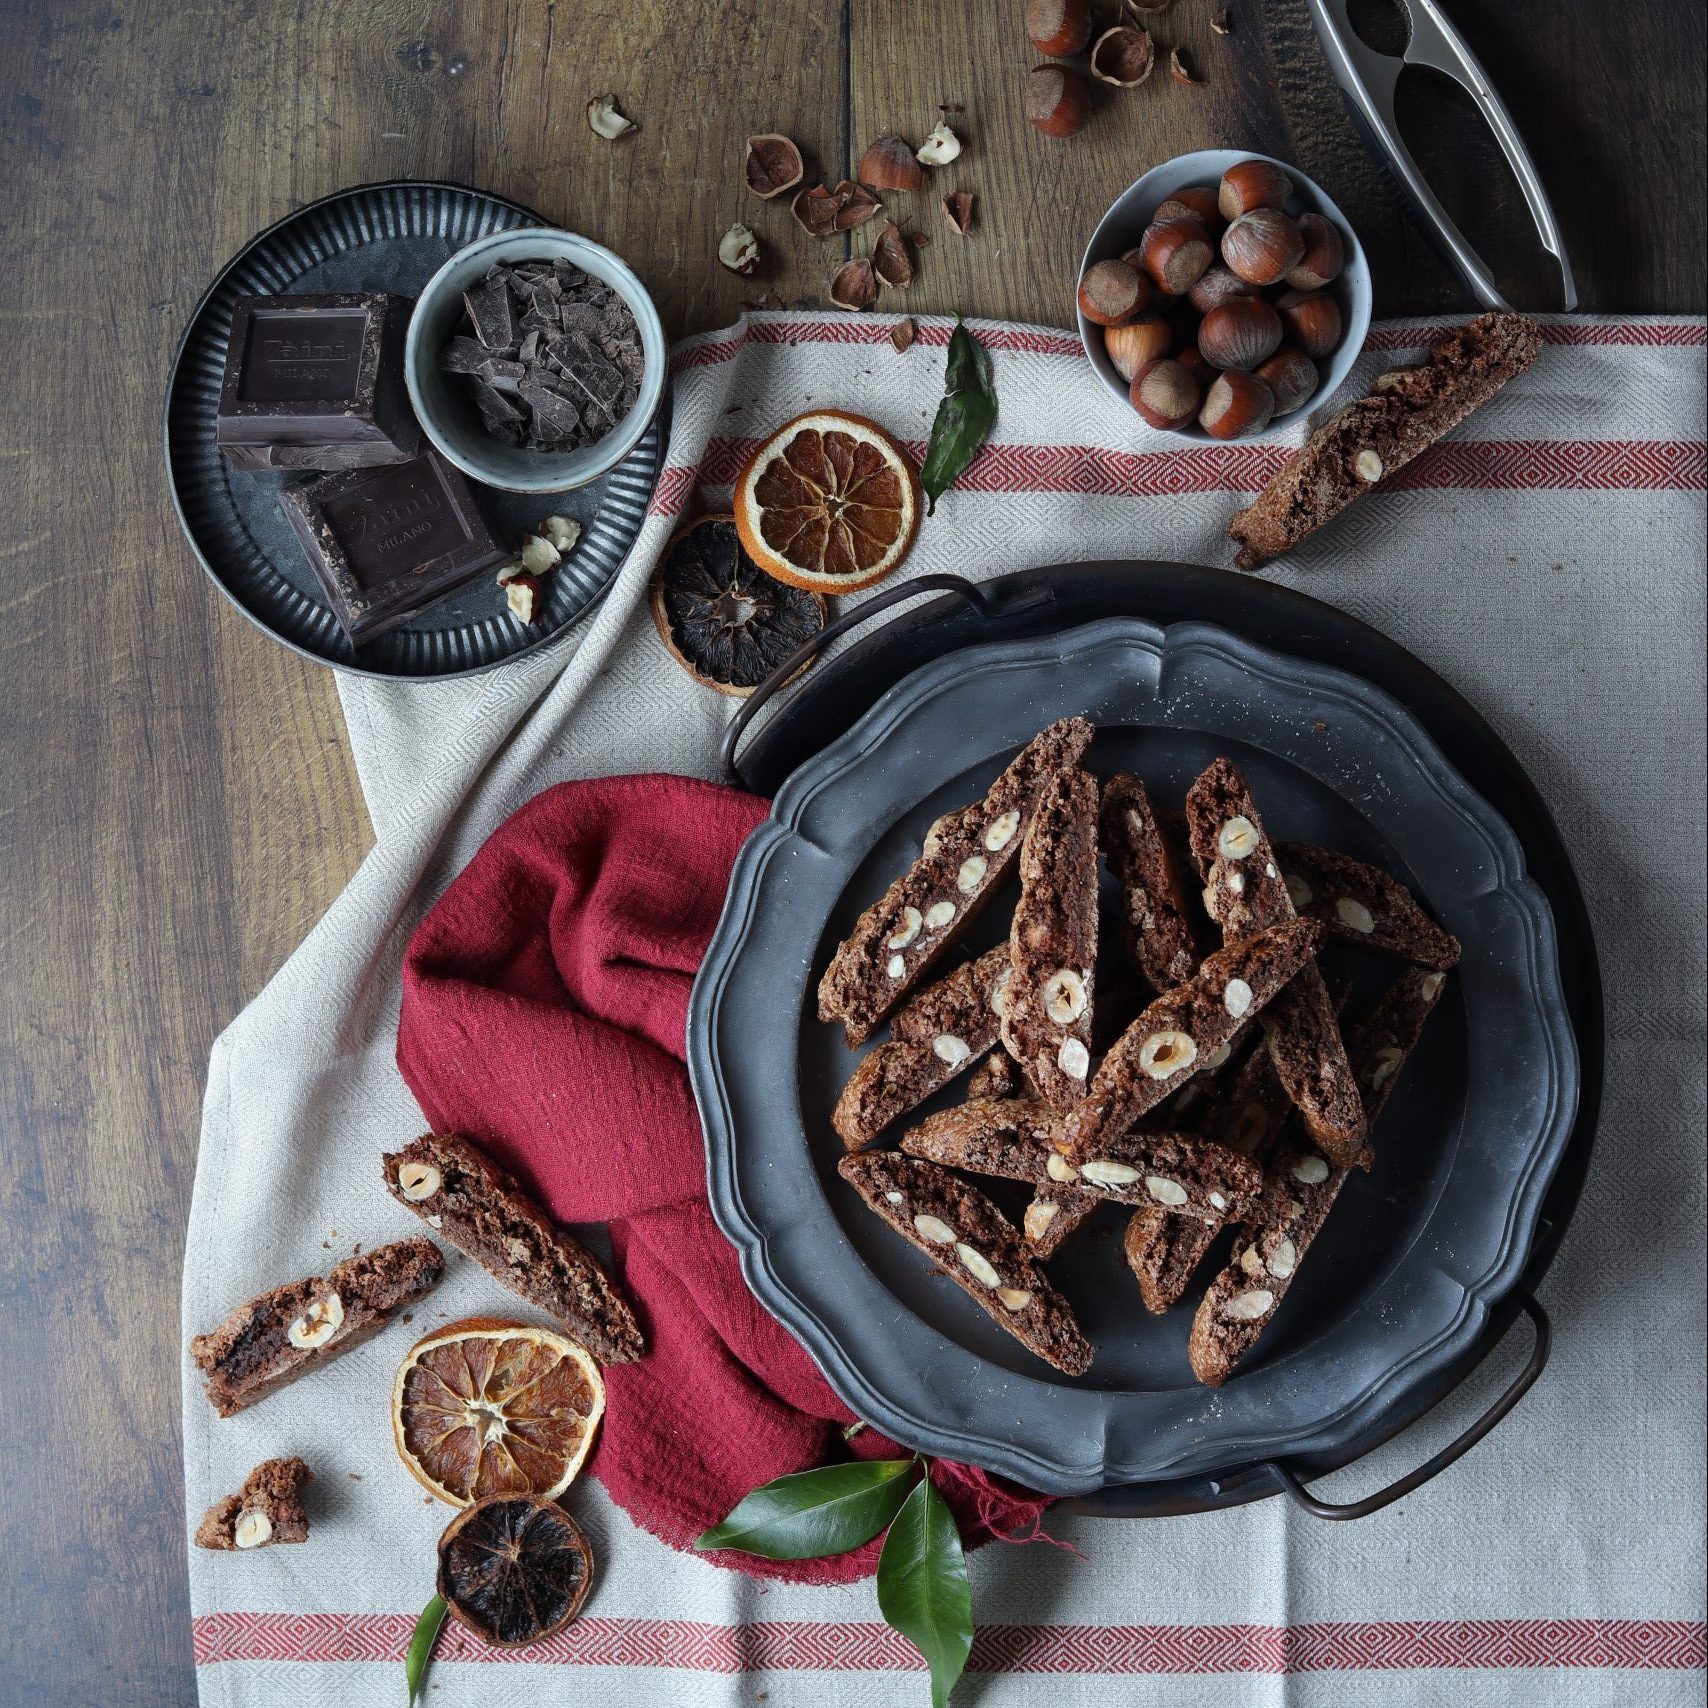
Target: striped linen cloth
x=1548 y=561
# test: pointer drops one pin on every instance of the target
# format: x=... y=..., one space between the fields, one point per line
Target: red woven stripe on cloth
x=1094 y=1650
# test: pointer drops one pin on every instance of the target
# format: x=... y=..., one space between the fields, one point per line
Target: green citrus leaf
x=923 y=1590
x=964 y=417
x=814 y=1513
x=421 y=1646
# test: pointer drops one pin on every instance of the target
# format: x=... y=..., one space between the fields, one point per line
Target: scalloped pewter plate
x=1405 y=1272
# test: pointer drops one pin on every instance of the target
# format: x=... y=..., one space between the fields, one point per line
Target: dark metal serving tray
x=1047 y=602
x=391 y=237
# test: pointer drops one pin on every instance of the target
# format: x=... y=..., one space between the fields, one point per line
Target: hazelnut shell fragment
x=1058 y=100
x=1123 y=56
x=1179 y=70
x=891 y=164
x=773 y=164
x=890 y=259
x=854 y=285
x=903 y=333
x=958 y=211
x=819 y=211
x=603 y=118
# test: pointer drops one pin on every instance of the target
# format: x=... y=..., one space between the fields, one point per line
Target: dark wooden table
x=180 y=804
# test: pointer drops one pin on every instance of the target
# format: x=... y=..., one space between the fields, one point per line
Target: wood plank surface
x=179 y=803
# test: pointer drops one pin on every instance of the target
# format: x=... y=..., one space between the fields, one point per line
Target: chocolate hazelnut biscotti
x=1155 y=923
x=1371 y=440
x=998 y=1075
x=1047 y=1009
x=1245 y=892
x=959 y=1228
x=457 y=1191
x=266 y=1510
x=1360 y=903
x=287 y=1331
x=1182 y=1030
x=1301 y=1189
x=967 y=854
x=937 y=1035
x=1180 y=1173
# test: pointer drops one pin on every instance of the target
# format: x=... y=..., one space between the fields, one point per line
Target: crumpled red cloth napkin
x=545 y=1004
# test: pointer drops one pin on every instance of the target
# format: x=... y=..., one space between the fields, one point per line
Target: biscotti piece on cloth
x=1301 y=1189
x=1244 y=891
x=939 y=1034
x=1370 y=440
x=959 y=1228
x=967 y=854
x=1183 y=1030
x=289 y=1330
x=1052 y=943
x=457 y=1191
x=545 y=1008
x=267 y=1509
x=1360 y=903
x=1180 y=1173
x=1155 y=923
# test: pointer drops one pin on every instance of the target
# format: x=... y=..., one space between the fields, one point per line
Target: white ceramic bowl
x=441 y=401
x=1121 y=228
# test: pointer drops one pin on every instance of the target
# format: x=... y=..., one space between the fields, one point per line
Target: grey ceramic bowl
x=449 y=418
x=1121 y=228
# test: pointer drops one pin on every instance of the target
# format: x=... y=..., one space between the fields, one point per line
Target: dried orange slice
x=829 y=502
x=514 y=1569
x=484 y=1407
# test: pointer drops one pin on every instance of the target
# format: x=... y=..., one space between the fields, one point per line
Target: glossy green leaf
x=964 y=417
x=814 y=1513
x=923 y=1590
x=421 y=1646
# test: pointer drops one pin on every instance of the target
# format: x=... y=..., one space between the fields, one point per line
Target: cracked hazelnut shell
x=891 y=164
x=854 y=284
x=958 y=211
x=773 y=164
x=890 y=259
x=1123 y=56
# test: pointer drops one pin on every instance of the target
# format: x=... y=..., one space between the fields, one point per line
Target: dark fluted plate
x=390 y=237
x=1406 y=1272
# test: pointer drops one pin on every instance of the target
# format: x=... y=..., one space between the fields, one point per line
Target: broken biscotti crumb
x=978 y=1248
x=939 y=1034
x=1372 y=439
x=967 y=854
x=285 y=1332
x=1047 y=1008
x=452 y=1185
x=268 y=1509
x=1301 y=1189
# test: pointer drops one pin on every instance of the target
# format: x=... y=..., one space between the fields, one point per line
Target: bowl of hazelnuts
x=1222 y=294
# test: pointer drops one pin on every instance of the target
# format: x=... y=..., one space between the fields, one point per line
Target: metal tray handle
x=1454 y=1450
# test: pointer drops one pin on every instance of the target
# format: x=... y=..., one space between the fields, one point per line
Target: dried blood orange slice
x=514 y=1569
x=829 y=502
x=484 y=1407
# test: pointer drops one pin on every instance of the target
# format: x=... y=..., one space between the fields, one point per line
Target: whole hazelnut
x=1252 y=184
x=1196 y=201
x=1058 y=100
x=1312 y=319
x=1216 y=287
x=1236 y=405
x=1176 y=254
x=1291 y=375
x=1324 y=257
x=1193 y=362
x=1261 y=245
x=1239 y=334
x=1165 y=394
x=1143 y=340
x=1111 y=293
x=1058 y=27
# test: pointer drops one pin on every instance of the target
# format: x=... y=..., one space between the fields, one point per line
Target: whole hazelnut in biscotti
x=1324 y=258
x=1196 y=201
x=1140 y=341
x=1291 y=375
x=1252 y=184
x=1058 y=100
x=1165 y=394
x=1241 y=333
x=1236 y=405
x=1058 y=27
x=1218 y=284
x=1111 y=293
x=1312 y=319
x=1260 y=246
x=1175 y=254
